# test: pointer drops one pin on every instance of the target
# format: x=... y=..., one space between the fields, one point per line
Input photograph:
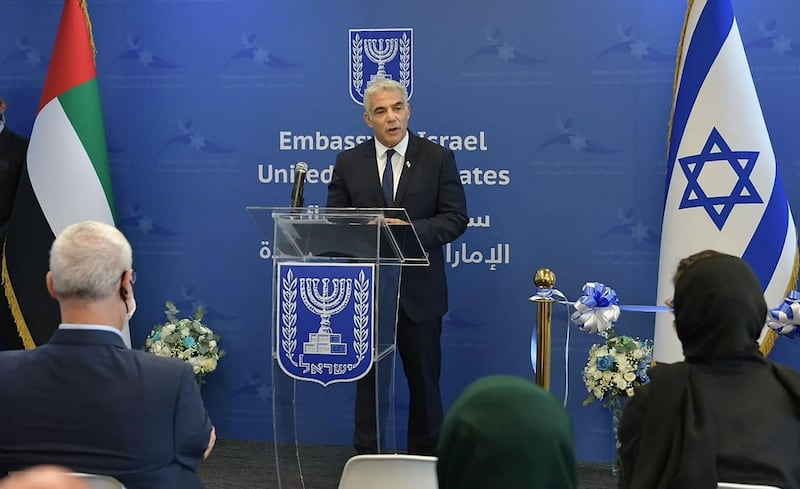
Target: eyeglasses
x=670 y=302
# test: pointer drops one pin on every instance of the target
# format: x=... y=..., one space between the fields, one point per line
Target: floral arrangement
x=615 y=367
x=618 y=364
x=188 y=339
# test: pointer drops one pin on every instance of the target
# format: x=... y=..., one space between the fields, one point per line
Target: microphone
x=300 y=178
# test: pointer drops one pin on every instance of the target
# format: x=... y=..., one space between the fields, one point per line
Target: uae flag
x=66 y=179
x=724 y=191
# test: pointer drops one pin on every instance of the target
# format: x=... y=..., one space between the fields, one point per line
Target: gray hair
x=382 y=85
x=87 y=261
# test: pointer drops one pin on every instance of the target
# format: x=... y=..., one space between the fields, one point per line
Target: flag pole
x=545 y=279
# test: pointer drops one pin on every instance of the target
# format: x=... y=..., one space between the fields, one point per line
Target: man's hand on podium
x=394 y=221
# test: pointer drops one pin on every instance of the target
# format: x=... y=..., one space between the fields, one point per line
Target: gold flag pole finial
x=546 y=279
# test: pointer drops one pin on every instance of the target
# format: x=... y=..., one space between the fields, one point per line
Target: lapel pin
x=408 y=164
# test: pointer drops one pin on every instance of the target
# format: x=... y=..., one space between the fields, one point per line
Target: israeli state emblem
x=324 y=322
x=380 y=53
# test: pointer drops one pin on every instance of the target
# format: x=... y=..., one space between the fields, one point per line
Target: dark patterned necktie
x=388 y=180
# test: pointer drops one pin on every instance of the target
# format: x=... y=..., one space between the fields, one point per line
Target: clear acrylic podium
x=308 y=416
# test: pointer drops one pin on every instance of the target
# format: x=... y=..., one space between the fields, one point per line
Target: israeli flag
x=723 y=188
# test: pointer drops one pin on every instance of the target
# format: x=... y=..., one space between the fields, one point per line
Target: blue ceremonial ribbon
x=785 y=318
x=645 y=308
x=558 y=297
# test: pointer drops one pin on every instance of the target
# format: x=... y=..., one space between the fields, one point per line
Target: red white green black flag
x=67 y=178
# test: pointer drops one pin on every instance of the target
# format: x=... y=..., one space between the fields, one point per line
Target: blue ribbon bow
x=785 y=318
x=597 y=310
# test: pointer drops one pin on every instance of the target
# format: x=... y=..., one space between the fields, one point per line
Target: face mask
x=126 y=329
x=131 y=309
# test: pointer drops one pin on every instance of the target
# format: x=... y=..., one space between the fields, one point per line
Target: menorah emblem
x=388 y=53
x=380 y=52
x=327 y=356
x=326 y=302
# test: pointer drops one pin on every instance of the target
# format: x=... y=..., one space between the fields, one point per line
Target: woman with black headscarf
x=506 y=432
x=725 y=413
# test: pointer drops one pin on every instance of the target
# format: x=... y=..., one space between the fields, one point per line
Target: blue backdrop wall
x=558 y=112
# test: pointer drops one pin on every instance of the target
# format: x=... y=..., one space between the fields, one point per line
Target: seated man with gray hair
x=86 y=402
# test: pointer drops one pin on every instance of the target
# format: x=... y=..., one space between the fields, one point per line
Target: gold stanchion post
x=544 y=278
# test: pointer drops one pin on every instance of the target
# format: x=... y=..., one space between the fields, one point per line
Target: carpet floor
x=238 y=464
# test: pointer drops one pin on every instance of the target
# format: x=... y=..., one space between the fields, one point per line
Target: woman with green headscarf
x=506 y=432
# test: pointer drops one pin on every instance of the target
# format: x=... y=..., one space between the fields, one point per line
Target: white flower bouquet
x=616 y=367
x=188 y=339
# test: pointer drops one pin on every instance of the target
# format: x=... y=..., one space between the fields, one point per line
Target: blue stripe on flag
x=765 y=247
x=712 y=30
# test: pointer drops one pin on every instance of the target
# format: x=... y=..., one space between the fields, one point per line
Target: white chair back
x=389 y=471
x=96 y=481
x=733 y=485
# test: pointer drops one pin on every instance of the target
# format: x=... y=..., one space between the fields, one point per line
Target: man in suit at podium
x=84 y=400
x=421 y=177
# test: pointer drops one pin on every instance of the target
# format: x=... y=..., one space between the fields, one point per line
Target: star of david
x=716 y=150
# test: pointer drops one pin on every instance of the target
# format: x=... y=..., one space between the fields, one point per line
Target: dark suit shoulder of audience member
x=504 y=432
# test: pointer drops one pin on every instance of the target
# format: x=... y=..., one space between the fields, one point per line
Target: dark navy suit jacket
x=431 y=192
x=12 y=160
x=86 y=402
